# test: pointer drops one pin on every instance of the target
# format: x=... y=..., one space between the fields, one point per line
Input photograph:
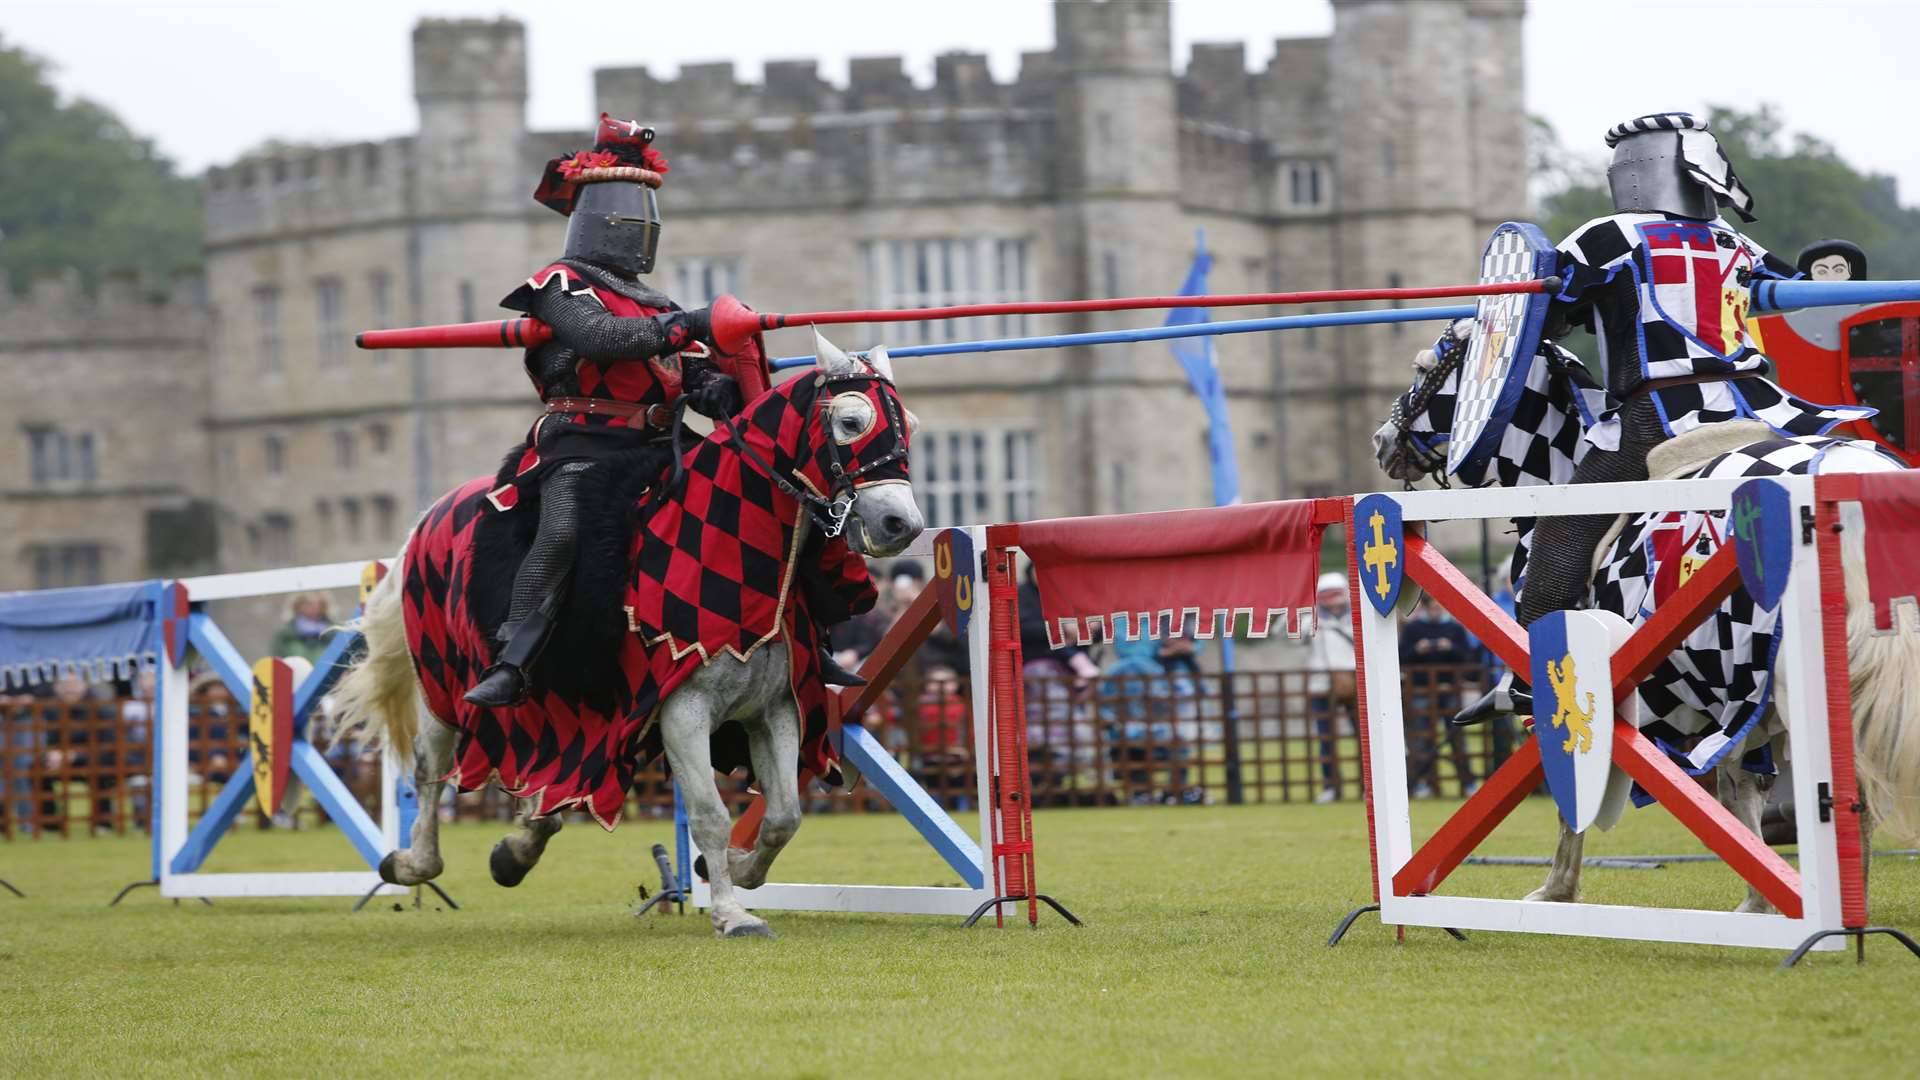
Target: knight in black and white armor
x=1663 y=283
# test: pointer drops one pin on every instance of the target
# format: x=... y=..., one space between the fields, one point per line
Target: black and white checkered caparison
x=1496 y=324
x=1718 y=682
x=1667 y=121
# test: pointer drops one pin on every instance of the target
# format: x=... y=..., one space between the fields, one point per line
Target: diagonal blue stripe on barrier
x=885 y=775
x=339 y=803
x=226 y=808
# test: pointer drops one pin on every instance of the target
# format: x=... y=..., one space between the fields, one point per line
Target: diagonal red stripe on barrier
x=1506 y=789
x=1702 y=814
x=1828 y=492
x=1464 y=600
x=1672 y=621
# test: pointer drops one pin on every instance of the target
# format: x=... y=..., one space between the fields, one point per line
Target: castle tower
x=1117 y=133
x=470 y=82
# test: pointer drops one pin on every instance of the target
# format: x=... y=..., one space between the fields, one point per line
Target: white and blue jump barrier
x=121 y=629
x=970 y=859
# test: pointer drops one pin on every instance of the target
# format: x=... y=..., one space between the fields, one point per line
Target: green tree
x=1803 y=191
x=81 y=190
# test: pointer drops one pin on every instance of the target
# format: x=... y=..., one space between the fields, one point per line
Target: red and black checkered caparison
x=713 y=573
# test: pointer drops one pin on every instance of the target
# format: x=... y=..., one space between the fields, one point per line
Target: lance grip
x=495 y=334
x=734 y=324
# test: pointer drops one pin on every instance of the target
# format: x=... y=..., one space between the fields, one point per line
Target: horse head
x=1411 y=444
x=862 y=432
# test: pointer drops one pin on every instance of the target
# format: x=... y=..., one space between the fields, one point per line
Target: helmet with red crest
x=607 y=194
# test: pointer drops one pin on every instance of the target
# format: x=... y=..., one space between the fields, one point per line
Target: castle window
x=1395 y=281
x=701 y=281
x=380 y=303
x=383 y=516
x=266 y=321
x=57 y=457
x=976 y=475
x=323 y=512
x=944 y=271
x=61 y=566
x=343 y=448
x=466 y=301
x=379 y=438
x=1309 y=185
x=331 y=335
x=273 y=449
x=350 y=515
x=276 y=538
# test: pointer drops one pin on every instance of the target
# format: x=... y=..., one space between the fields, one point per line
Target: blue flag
x=1203 y=371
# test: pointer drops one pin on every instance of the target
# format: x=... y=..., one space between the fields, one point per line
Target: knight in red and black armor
x=623 y=361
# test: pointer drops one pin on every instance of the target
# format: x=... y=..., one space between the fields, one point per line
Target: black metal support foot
x=670 y=891
x=122 y=894
x=8 y=885
x=435 y=886
x=1346 y=923
x=1859 y=936
x=1020 y=898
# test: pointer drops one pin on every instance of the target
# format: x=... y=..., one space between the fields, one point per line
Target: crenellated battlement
x=55 y=309
x=305 y=188
x=714 y=91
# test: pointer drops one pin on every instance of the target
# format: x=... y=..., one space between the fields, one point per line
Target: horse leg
x=1563 y=880
x=686 y=726
x=432 y=756
x=774 y=744
x=519 y=851
x=1740 y=793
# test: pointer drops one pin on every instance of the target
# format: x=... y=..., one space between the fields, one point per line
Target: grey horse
x=382 y=691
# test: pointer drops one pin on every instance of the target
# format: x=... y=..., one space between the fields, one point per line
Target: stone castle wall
x=1099 y=161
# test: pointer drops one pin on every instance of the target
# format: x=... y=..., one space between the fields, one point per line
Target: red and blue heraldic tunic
x=1690 y=283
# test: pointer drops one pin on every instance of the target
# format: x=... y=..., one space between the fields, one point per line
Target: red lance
x=734 y=322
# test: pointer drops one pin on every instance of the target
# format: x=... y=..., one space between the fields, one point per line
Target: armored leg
x=538 y=590
x=1560 y=554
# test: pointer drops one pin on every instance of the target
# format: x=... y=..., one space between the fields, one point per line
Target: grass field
x=1204 y=954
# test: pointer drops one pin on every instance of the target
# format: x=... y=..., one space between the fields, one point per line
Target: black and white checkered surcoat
x=1717 y=685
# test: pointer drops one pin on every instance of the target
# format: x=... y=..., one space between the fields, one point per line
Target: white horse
x=1884 y=668
x=384 y=690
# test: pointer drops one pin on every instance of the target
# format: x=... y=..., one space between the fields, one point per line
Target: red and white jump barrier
x=1819 y=904
x=973 y=574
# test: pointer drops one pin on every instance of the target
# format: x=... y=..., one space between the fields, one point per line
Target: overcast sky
x=207 y=80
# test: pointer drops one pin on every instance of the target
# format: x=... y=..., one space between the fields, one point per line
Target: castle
x=1381 y=155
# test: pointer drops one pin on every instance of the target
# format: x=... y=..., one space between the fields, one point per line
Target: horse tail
x=1885 y=680
x=381 y=693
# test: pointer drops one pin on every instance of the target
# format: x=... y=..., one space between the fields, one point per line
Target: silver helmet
x=1670 y=163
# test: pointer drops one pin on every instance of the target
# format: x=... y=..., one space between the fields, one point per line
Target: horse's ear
x=831 y=360
x=882 y=365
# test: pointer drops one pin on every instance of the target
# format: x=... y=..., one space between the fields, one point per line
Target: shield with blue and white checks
x=1506 y=334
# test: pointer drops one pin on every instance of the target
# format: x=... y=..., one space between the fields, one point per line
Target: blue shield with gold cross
x=1572 y=654
x=1761 y=521
x=1379 y=548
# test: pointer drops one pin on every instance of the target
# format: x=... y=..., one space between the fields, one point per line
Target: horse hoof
x=700 y=868
x=387 y=872
x=507 y=871
x=756 y=928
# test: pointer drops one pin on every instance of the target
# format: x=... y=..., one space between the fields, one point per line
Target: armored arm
x=582 y=325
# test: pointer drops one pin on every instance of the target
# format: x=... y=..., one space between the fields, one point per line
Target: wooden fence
x=82 y=768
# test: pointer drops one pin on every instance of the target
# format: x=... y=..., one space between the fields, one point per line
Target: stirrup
x=1508 y=697
x=833 y=674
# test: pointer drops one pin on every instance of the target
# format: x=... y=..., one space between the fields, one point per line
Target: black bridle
x=1413 y=404
x=831 y=511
